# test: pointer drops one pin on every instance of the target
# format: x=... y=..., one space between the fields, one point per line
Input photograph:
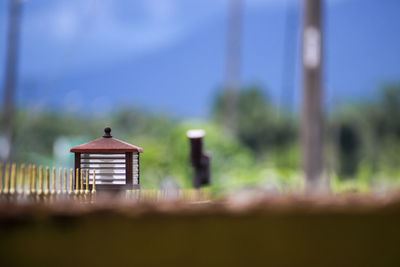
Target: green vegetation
x=362 y=142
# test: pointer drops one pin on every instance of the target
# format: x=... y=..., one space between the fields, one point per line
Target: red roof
x=107 y=144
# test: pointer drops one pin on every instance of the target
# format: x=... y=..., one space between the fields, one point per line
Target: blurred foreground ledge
x=234 y=205
x=279 y=231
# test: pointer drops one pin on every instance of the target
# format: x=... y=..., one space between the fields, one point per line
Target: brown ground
x=282 y=231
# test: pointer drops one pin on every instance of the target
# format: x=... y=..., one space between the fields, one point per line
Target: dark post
x=129 y=168
x=199 y=160
x=77 y=165
x=312 y=104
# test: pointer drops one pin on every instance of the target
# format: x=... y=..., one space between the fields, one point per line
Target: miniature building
x=115 y=162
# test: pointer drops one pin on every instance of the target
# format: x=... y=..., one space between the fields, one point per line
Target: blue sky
x=169 y=55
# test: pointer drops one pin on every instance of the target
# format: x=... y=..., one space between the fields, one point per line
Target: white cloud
x=99 y=24
x=81 y=34
x=65 y=24
x=161 y=11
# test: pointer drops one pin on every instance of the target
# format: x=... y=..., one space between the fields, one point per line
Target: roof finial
x=107 y=132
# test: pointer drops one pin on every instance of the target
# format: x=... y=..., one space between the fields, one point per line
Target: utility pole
x=312 y=94
x=233 y=62
x=14 y=20
x=289 y=58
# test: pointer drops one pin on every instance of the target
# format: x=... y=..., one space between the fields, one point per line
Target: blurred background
x=154 y=69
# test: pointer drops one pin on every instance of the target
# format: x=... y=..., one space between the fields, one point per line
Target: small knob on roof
x=107 y=132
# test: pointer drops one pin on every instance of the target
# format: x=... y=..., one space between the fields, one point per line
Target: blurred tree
x=387 y=117
x=369 y=133
x=349 y=145
x=163 y=139
x=258 y=128
x=367 y=140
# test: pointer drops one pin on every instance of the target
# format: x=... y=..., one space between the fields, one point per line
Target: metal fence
x=32 y=183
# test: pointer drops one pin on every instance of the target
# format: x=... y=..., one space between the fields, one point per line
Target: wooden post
x=34 y=172
x=13 y=178
x=77 y=182
x=21 y=187
x=53 y=182
x=65 y=182
x=71 y=181
x=7 y=179
x=28 y=192
x=81 y=191
x=87 y=182
x=1 y=178
x=312 y=101
x=93 y=193
x=40 y=189
x=47 y=188
x=94 y=182
x=59 y=181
